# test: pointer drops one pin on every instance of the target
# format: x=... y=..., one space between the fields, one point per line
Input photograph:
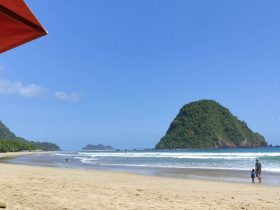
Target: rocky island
x=97 y=147
x=207 y=124
x=9 y=142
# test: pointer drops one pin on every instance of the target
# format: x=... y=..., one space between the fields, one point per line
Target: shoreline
x=43 y=159
x=34 y=187
x=221 y=175
x=28 y=187
x=4 y=155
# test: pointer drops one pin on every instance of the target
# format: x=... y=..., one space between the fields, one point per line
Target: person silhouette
x=258 y=169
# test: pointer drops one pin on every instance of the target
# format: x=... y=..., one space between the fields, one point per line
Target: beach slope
x=30 y=187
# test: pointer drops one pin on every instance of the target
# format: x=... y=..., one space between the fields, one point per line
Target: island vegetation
x=9 y=142
x=97 y=147
x=207 y=124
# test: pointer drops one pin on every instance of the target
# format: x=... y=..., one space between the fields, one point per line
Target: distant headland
x=207 y=124
x=9 y=142
x=97 y=147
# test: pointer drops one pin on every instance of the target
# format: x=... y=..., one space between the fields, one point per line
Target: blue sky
x=117 y=72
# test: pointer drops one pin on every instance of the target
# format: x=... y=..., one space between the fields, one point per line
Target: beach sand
x=31 y=187
x=13 y=154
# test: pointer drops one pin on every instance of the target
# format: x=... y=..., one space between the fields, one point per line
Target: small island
x=9 y=142
x=97 y=147
x=207 y=124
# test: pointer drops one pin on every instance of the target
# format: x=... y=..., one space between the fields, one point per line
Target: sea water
x=232 y=164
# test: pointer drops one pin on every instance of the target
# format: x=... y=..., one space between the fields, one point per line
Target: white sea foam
x=89 y=160
x=179 y=166
x=178 y=159
x=64 y=154
x=194 y=155
x=235 y=165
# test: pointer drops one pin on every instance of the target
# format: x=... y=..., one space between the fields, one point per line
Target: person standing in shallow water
x=258 y=170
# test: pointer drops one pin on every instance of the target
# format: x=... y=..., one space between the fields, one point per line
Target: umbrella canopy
x=18 y=25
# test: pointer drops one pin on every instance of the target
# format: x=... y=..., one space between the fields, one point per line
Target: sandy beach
x=14 y=154
x=31 y=187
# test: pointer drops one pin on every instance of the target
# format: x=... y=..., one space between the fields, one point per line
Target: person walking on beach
x=258 y=169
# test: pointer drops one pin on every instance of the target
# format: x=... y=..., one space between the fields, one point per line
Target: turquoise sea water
x=217 y=164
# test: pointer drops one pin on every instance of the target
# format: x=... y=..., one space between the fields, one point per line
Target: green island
x=9 y=142
x=97 y=147
x=207 y=124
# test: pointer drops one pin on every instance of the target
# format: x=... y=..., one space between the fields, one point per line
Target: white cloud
x=70 y=97
x=30 y=91
x=35 y=91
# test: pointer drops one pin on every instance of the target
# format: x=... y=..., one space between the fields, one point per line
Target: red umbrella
x=18 y=25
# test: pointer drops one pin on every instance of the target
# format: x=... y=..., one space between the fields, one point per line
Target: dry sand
x=30 y=187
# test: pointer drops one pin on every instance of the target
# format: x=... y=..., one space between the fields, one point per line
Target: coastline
x=54 y=159
x=129 y=162
x=34 y=187
x=16 y=154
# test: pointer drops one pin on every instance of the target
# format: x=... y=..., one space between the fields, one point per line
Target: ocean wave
x=174 y=166
x=88 y=160
x=195 y=160
x=181 y=155
x=64 y=154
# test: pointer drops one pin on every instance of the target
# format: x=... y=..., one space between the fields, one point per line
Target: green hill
x=10 y=142
x=5 y=132
x=207 y=124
